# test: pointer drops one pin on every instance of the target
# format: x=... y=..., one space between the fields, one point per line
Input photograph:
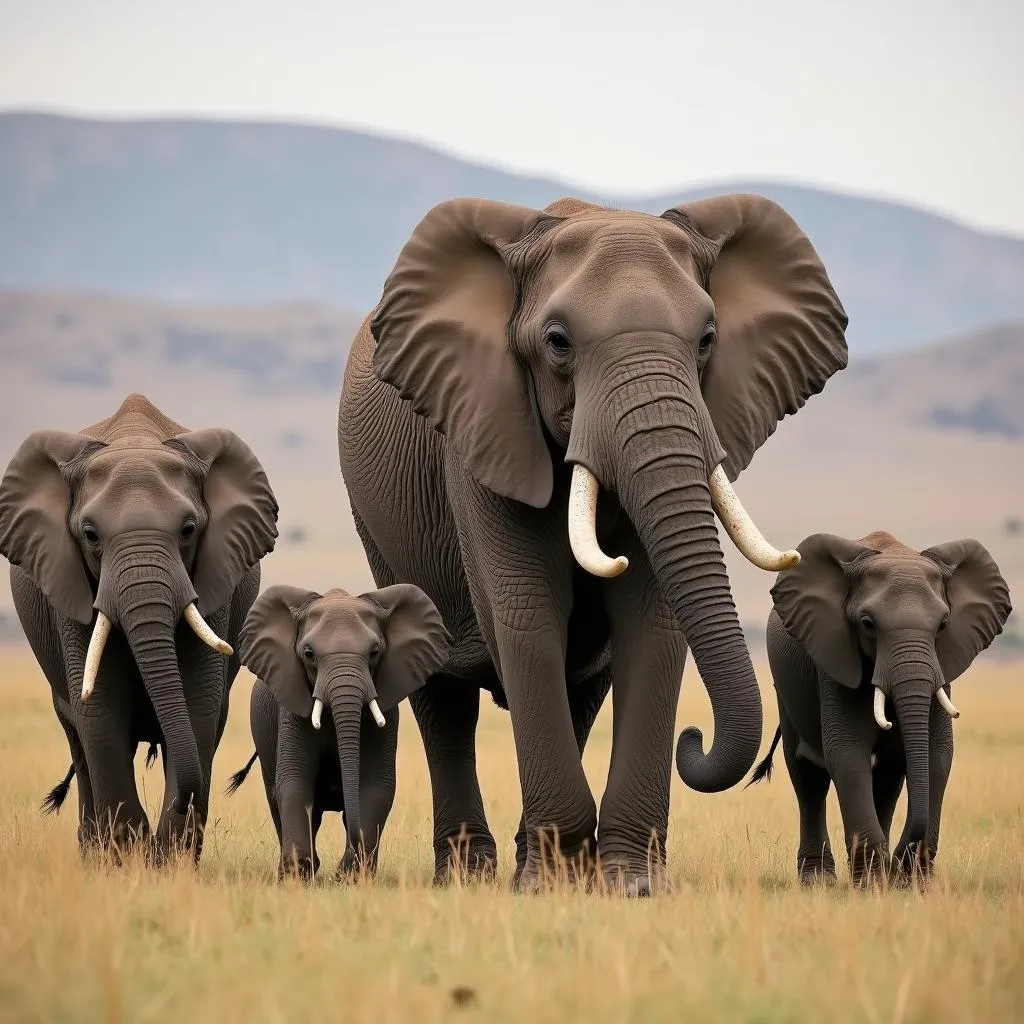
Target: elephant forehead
x=122 y=477
x=613 y=237
x=344 y=620
x=903 y=577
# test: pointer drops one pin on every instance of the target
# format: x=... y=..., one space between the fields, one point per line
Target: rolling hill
x=256 y=213
x=927 y=444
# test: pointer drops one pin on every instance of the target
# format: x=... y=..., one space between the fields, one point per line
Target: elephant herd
x=539 y=424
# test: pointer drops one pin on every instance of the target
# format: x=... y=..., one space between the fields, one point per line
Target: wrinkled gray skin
x=345 y=651
x=853 y=616
x=136 y=517
x=508 y=345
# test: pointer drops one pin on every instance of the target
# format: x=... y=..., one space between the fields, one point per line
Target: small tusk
x=318 y=709
x=378 y=715
x=946 y=704
x=742 y=529
x=97 y=642
x=883 y=722
x=202 y=630
x=583 y=527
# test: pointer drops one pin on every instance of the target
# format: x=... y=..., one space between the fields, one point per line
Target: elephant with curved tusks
x=538 y=425
x=861 y=631
x=134 y=548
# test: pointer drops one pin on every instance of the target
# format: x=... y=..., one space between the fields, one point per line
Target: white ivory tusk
x=883 y=722
x=202 y=630
x=97 y=642
x=583 y=527
x=318 y=709
x=742 y=529
x=946 y=704
x=378 y=715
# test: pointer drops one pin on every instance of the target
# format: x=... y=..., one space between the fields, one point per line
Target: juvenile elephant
x=139 y=524
x=358 y=657
x=859 y=630
x=519 y=362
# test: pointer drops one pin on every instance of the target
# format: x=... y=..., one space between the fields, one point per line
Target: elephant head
x=144 y=524
x=344 y=653
x=875 y=612
x=654 y=355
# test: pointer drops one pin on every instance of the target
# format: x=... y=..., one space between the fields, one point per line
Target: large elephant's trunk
x=661 y=451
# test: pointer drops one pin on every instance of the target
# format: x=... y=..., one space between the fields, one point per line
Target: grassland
x=735 y=941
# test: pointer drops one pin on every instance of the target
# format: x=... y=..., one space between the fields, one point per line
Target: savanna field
x=736 y=940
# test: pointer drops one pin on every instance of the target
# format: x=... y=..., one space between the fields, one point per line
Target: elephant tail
x=240 y=776
x=764 y=768
x=54 y=800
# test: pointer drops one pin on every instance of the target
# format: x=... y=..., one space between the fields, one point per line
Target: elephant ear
x=267 y=645
x=35 y=500
x=780 y=325
x=416 y=642
x=243 y=513
x=978 y=599
x=441 y=334
x=811 y=600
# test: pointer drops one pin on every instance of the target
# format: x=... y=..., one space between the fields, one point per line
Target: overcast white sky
x=914 y=99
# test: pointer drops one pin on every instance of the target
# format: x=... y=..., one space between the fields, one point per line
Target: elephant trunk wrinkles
x=911 y=675
x=143 y=588
x=347 y=692
x=666 y=448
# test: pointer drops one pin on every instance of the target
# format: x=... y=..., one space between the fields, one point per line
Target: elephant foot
x=298 y=868
x=911 y=866
x=634 y=881
x=819 y=869
x=120 y=842
x=555 y=871
x=870 y=869
x=465 y=859
x=356 y=867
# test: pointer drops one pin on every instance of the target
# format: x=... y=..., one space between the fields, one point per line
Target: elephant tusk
x=946 y=704
x=583 y=527
x=378 y=715
x=318 y=708
x=742 y=529
x=97 y=642
x=883 y=722
x=202 y=630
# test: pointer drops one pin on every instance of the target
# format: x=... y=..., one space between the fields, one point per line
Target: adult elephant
x=138 y=523
x=519 y=362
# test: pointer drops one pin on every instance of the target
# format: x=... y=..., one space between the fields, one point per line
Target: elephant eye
x=188 y=530
x=867 y=624
x=707 y=339
x=557 y=340
x=90 y=534
x=374 y=654
x=307 y=653
x=944 y=623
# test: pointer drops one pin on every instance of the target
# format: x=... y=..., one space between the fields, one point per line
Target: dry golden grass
x=736 y=941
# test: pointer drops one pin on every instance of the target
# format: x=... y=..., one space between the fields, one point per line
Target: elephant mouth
x=101 y=632
x=742 y=529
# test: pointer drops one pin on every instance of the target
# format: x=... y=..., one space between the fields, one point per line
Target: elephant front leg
x=585 y=702
x=909 y=862
x=298 y=765
x=88 y=835
x=648 y=655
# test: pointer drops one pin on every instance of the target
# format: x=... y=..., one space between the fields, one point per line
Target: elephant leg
x=378 y=750
x=585 y=702
x=887 y=779
x=298 y=766
x=814 y=859
x=87 y=833
x=648 y=655
x=907 y=860
x=446 y=711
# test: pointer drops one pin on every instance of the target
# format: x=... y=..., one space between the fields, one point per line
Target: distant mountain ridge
x=244 y=212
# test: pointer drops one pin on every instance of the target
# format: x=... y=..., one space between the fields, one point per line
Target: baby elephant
x=863 y=632
x=329 y=667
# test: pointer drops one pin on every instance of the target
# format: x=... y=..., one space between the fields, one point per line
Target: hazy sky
x=915 y=99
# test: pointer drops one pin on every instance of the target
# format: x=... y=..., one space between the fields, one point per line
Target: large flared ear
x=267 y=645
x=243 y=513
x=416 y=642
x=811 y=600
x=441 y=333
x=978 y=599
x=35 y=500
x=780 y=325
